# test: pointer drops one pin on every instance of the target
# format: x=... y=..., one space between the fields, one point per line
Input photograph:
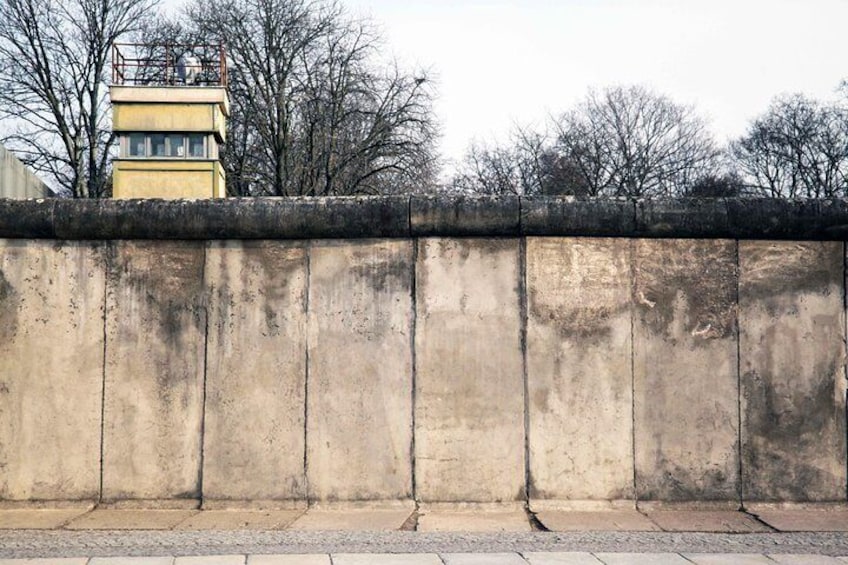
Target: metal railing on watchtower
x=138 y=64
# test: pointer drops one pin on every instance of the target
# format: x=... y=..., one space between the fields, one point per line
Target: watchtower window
x=157 y=145
x=197 y=146
x=168 y=146
x=136 y=145
x=176 y=145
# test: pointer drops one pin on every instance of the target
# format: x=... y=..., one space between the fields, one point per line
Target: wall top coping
x=423 y=216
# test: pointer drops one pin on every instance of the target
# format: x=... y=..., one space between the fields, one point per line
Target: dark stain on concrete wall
x=794 y=437
x=8 y=309
x=678 y=483
x=670 y=288
x=386 y=275
x=785 y=428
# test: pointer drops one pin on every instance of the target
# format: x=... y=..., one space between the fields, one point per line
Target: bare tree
x=617 y=142
x=797 y=149
x=633 y=142
x=54 y=59
x=312 y=113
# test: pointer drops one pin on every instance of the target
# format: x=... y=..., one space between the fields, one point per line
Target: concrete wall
x=440 y=368
x=16 y=181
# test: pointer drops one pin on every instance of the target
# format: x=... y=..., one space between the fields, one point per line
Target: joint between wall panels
x=739 y=470
x=633 y=274
x=106 y=272
x=845 y=352
x=206 y=291
x=307 y=492
x=413 y=365
x=522 y=305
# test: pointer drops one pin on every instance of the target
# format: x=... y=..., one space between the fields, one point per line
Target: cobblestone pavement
x=341 y=548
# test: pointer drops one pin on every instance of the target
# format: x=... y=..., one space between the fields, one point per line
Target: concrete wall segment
x=359 y=403
x=51 y=369
x=579 y=351
x=685 y=370
x=469 y=387
x=792 y=348
x=256 y=371
x=155 y=333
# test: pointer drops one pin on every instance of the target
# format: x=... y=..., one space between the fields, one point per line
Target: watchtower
x=170 y=107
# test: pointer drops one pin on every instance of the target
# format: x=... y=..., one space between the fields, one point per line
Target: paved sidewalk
x=404 y=534
x=525 y=558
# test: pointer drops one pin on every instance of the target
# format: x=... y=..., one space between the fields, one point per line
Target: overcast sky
x=499 y=62
x=505 y=61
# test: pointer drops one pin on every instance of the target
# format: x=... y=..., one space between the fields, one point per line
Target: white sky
x=504 y=61
x=500 y=62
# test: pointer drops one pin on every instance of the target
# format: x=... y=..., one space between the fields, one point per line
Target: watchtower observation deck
x=170 y=107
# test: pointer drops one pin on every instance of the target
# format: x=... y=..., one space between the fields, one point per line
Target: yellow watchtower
x=170 y=107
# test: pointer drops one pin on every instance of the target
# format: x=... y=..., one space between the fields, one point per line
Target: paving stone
x=812 y=520
x=132 y=561
x=641 y=559
x=211 y=560
x=239 y=520
x=602 y=520
x=112 y=519
x=312 y=559
x=705 y=521
x=568 y=558
x=41 y=519
x=725 y=559
x=51 y=561
x=805 y=559
x=483 y=559
x=353 y=519
x=473 y=521
x=386 y=559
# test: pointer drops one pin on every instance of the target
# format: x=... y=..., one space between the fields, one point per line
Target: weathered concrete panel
x=51 y=369
x=469 y=414
x=685 y=370
x=155 y=337
x=359 y=417
x=256 y=375
x=792 y=355
x=579 y=368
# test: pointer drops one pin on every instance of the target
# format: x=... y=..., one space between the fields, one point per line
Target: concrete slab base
x=365 y=517
x=482 y=559
x=48 y=561
x=114 y=519
x=471 y=521
x=288 y=560
x=564 y=558
x=706 y=521
x=736 y=559
x=787 y=559
x=131 y=561
x=642 y=559
x=240 y=520
x=386 y=559
x=802 y=518
x=42 y=519
x=210 y=560
x=599 y=520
